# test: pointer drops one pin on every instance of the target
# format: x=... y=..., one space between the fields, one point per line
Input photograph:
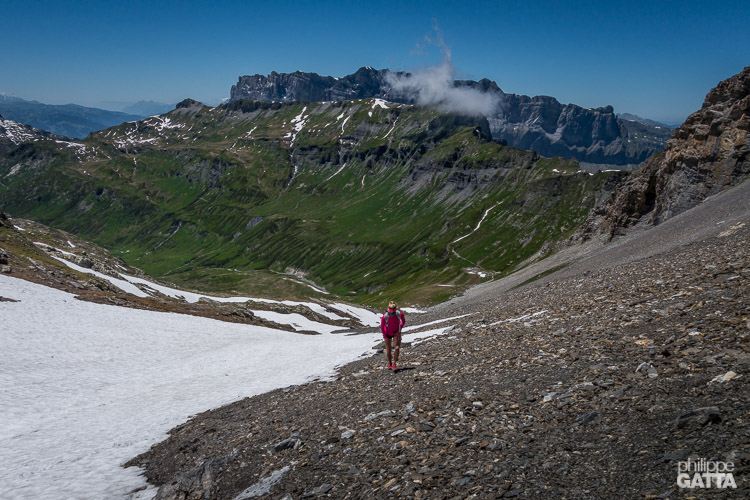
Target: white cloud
x=434 y=85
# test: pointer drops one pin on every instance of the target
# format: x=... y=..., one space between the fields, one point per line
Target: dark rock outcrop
x=298 y=86
x=188 y=104
x=538 y=123
x=706 y=155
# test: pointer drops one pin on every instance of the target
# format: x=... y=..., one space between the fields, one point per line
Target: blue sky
x=654 y=58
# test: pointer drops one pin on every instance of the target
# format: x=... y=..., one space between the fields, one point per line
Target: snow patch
x=412 y=310
x=344 y=124
x=420 y=337
x=297 y=321
x=299 y=122
x=364 y=316
x=17 y=132
x=391 y=130
x=39 y=243
x=478 y=224
x=123 y=285
x=14 y=170
x=414 y=327
x=336 y=172
x=88 y=386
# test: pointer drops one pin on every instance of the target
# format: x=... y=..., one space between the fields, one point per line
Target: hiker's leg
x=397 y=348
x=388 y=349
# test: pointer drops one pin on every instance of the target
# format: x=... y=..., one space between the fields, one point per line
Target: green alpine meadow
x=362 y=199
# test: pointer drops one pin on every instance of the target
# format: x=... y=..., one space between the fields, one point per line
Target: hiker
x=390 y=325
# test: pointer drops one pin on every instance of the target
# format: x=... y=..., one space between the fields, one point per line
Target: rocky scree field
x=592 y=386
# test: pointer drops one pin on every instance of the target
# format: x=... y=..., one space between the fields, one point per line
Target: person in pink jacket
x=390 y=325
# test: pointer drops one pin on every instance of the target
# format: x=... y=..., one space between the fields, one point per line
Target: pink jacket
x=392 y=322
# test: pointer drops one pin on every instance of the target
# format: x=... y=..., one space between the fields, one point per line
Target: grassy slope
x=366 y=201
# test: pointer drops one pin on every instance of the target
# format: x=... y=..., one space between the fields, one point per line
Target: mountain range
x=597 y=138
x=362 y=198
x=71 y=120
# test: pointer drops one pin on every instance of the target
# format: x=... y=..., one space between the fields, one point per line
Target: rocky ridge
x=541 y=123
x=704 y=156
x=590 y=386
x=13 y=133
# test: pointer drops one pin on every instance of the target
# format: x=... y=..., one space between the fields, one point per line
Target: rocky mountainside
x=707 y=154
x=366 y=82
x=595 y=385
x=594 y=136
x=13 y=133
x=362 y=198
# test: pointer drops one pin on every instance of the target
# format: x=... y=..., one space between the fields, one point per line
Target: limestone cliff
x=706 y=155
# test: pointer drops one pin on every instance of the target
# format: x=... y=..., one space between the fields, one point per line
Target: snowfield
x=84 y=387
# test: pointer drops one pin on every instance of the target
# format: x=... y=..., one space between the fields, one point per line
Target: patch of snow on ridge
x=14 y=170
x=418 y=338
x=123 y=285
x=160 y=123
x=88 y=386
x=478 y=224
x=299 y=119
x=297 y=321
x=128 y=284
x=391 y=130
x=414 y=327
x=299 y=123
x=344 y=124
x=364 y=316
x=80 y=148
x=379 y=102
x=17 y=132
x=39 y=243
x=336 y=172
x=412 y=310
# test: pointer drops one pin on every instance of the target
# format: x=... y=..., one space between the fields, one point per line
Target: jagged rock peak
x=538 y=123
x=709 y=153
x=735 y=88
x=300 y=86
